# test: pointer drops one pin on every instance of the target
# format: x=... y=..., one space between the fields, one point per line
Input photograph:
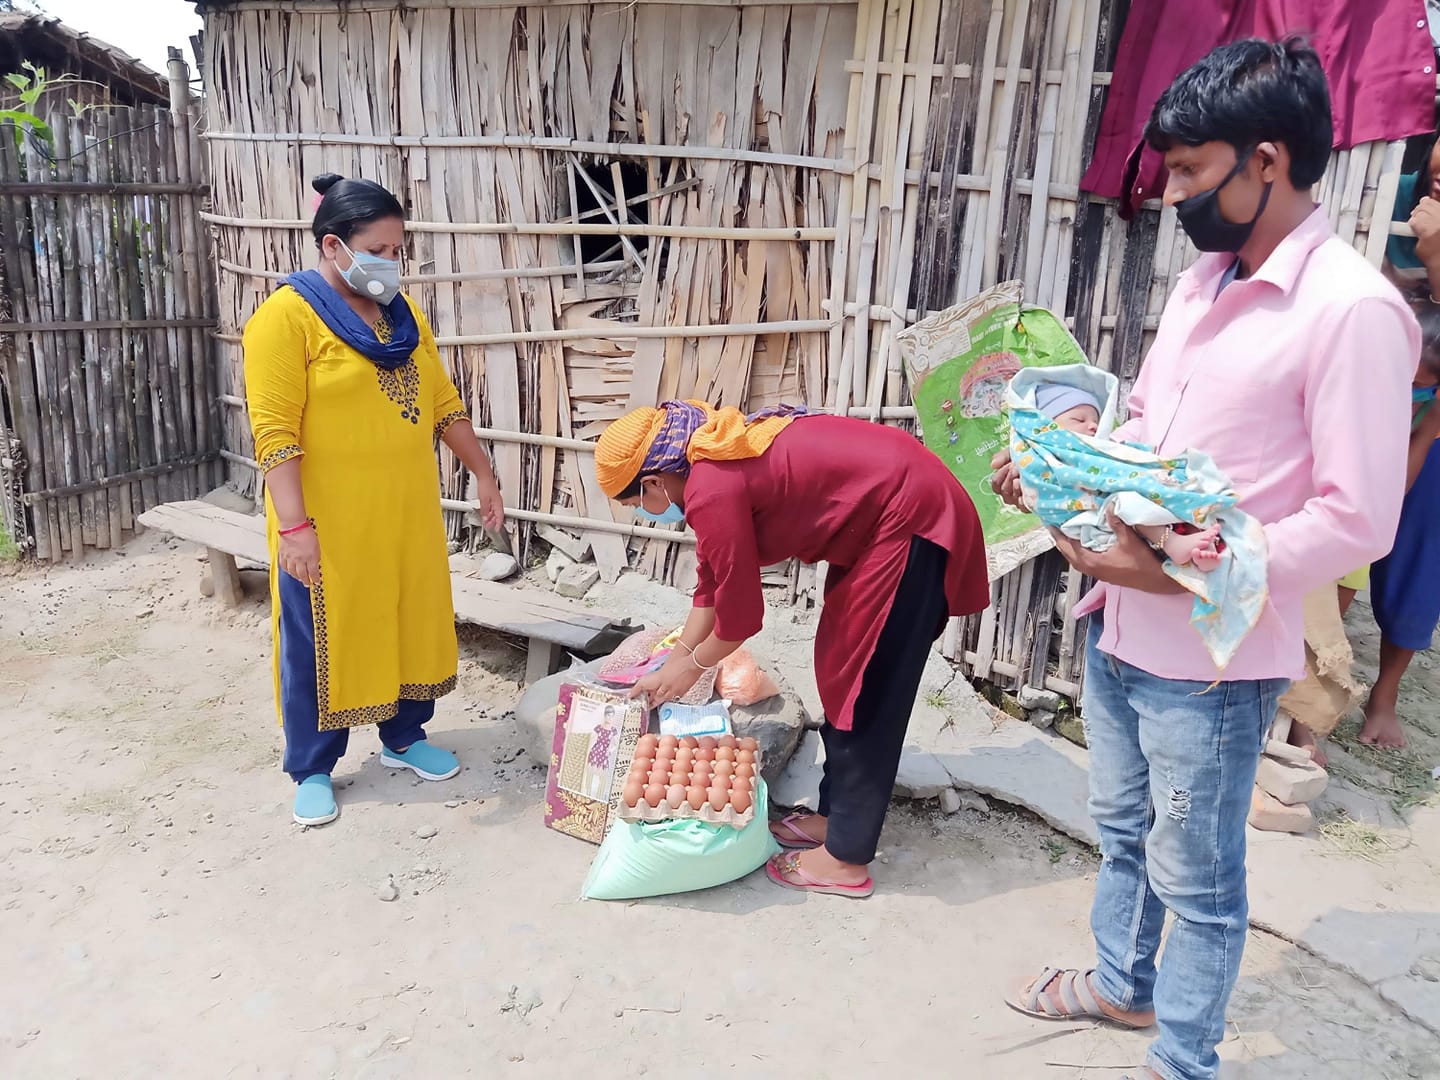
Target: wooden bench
x=551 y=625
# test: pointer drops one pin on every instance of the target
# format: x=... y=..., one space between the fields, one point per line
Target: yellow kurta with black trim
x=384 y=618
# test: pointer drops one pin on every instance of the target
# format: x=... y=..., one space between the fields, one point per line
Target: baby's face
x=1082 y=419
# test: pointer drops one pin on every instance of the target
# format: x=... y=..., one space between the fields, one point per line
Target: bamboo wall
x=699 y=145
x=108 y=388
x=802 y=181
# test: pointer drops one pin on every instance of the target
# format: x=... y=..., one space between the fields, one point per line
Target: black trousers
x=860 y=764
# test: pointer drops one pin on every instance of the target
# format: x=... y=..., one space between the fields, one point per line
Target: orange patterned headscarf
x=679 y=433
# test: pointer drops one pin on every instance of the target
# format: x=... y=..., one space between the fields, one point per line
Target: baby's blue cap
x=1053 y=399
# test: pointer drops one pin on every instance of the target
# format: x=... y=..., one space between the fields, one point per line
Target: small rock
x=498 y=567
x=207 y=585
x=144 y=612
x=451 y=804
x=425 y=832
x=1071 y=727
x=1030 y=697
x=557 y=564
x=973 y=800
x=576 y=581
x=950 y=801
x=388 y=892
x=1043 y=719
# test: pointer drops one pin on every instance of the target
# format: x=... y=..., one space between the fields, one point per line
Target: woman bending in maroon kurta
x=905 y=552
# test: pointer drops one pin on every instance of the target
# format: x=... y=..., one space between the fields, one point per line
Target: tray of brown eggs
x=711 y=778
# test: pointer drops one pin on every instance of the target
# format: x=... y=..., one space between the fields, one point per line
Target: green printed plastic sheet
x=959 y=362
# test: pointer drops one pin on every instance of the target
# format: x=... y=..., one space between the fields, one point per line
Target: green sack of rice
x=639 y=859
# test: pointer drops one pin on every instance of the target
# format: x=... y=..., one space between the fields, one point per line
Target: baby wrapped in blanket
x=1071 y=474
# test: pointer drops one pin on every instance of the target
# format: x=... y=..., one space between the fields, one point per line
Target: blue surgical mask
x=1420 y=395
x=371 y=276
x=673 y=515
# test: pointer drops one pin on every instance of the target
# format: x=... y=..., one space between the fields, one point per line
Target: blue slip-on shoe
x=428 y=762
x=315 y=801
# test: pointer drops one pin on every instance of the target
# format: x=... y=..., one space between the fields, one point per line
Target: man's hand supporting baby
x=1129 y=564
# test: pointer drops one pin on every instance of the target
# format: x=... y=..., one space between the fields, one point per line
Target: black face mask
x=1201 y=219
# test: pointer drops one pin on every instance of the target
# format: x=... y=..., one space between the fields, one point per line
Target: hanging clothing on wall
x=1378 y=57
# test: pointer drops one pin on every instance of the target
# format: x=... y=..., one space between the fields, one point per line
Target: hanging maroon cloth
x=1378 y=57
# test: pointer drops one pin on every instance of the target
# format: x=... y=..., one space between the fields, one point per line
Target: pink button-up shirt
x=1297 y=382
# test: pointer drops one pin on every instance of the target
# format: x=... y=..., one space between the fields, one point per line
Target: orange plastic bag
x=742 y=681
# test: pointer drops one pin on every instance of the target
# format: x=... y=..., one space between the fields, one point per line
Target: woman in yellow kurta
x=347 y=393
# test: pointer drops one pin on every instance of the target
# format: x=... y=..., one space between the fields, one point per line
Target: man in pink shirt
x=1288 y=359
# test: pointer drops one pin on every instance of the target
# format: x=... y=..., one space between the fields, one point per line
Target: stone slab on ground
x=966 y=742
x=1376 y=915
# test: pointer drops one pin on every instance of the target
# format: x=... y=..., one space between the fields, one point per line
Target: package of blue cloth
x=1071 y=481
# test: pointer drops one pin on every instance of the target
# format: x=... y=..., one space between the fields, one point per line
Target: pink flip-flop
x=781 y=865
x=801 y=841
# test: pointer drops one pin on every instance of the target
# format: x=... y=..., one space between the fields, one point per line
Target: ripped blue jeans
x=1172 y=766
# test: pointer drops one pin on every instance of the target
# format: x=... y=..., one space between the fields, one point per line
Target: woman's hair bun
x=325 y=181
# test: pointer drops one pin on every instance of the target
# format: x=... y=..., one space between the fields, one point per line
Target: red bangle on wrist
x=297 y=528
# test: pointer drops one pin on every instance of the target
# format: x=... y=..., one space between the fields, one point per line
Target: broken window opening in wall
x=614 y=193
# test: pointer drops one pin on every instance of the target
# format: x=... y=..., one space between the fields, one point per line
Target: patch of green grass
x=936 y=699
x=1056 y=848
x=9 y=550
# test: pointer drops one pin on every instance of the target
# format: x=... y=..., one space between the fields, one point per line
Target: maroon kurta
x=842 y=491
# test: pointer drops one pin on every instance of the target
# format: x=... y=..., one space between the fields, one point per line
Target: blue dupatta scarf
x=342 y=319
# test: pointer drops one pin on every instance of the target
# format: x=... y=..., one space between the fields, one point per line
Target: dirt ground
x=163 y=916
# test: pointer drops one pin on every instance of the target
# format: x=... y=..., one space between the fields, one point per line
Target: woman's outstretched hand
x=489 y=504
x=673 y=681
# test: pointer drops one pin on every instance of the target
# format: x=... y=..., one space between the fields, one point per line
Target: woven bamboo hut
x=742 y=200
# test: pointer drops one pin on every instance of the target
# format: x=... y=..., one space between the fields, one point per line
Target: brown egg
x=725 y=740
x=665 y=753
x=742 y=783
x=658 y=776
x=747 y=756
x=744 y=769
x=675 y=795
x=632 y=793
x=642 y=763
x=669 y=741
x=741 y=801
x=725 y=769
x=679 y=776
x=647 y=745
x=724 y=753
x=748 y=743
x=696 y=795
x=684 y=753
x=719 y=799
x=704 y=754
x=655 y=794
x=708 y=742
x=690 y=742
x=701 y=771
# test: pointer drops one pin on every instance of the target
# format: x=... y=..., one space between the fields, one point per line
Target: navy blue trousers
x=308 y=750
x=861 y=764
